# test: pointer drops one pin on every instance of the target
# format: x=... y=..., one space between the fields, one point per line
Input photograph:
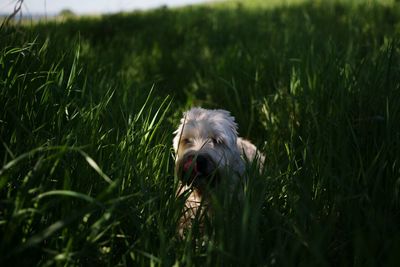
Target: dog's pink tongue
x=188 y=164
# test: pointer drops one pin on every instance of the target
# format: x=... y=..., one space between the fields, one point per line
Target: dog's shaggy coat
x=207 y=149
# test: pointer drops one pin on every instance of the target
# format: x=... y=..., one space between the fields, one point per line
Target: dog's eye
x=214 y=141
x=186 y=141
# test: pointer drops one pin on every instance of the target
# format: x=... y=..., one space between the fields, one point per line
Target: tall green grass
x=88 y=107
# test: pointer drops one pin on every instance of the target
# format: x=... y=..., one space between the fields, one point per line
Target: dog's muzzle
x=198 y=171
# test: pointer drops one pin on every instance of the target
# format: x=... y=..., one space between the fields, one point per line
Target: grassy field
x=88 y=107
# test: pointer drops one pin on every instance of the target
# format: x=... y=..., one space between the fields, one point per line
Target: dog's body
x=208 y=149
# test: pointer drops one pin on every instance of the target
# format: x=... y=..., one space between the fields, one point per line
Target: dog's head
x=205 y=146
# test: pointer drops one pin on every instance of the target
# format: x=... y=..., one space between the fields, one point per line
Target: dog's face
x=205 y=148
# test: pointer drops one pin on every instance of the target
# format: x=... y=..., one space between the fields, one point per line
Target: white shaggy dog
x=208 y=149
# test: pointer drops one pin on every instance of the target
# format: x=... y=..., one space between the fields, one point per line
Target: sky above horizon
x=90 y=6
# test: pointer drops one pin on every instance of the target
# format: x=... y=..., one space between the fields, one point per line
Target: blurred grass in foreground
x=88 y=107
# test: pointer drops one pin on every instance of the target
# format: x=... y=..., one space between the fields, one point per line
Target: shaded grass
x=88 y=108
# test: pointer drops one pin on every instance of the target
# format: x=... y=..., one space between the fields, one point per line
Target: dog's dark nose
x=202 y=164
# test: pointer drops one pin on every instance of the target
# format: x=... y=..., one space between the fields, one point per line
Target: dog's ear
x=178 y=135
x=175 y=141
x=178 y=132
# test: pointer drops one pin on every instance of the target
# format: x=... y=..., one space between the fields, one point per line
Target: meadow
x=88 y=106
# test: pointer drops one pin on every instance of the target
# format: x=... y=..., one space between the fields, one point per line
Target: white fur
x=214 y=133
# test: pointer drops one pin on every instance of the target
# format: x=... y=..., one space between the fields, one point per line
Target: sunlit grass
x=88 y=107
x=270 y=4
